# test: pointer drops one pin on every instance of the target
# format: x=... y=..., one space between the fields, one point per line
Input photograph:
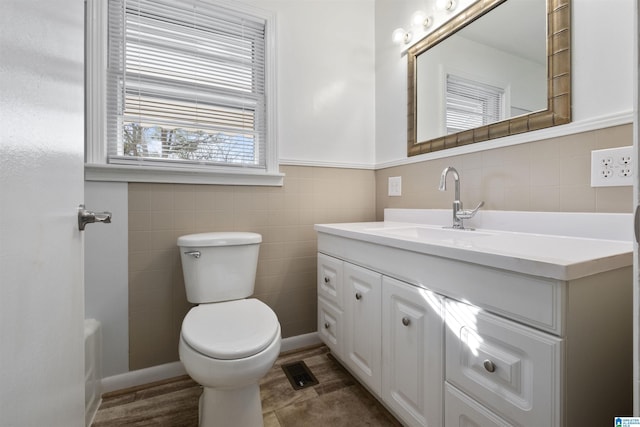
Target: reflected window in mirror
x=499 y=68
x=471 y=103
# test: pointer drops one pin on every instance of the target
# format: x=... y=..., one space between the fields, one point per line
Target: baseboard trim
x=175 y=369
x=300 y=341
x=142 y=376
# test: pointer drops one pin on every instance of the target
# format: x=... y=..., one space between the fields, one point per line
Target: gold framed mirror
x=554 y=110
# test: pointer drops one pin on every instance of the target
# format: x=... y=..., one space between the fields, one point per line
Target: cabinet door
x=362 y=324
x=412 y=338
x=330 y=279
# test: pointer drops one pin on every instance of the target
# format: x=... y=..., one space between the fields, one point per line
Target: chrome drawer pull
x=489 y=365
x=326 y=279
x=326 y=325
x=358 y=295
x=406 y=321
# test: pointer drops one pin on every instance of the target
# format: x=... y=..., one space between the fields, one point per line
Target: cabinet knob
x=406 y=321
x=326 y=279
x=358 y=296
x=489 y=365
x=326 y=325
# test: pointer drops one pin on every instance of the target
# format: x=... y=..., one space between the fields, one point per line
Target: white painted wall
x=326 y=81
x=601 y=65
x=106 y=273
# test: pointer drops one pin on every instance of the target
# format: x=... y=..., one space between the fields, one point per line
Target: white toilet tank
x=219 y=266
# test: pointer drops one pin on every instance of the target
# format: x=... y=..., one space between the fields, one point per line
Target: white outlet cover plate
x=612 y=167
x=395 y=186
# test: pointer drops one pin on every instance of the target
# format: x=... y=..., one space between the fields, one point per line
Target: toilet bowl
x=226 y=345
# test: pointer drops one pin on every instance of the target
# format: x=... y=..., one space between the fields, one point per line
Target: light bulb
x=400 y=36
x=446 y=4
x=418 y=17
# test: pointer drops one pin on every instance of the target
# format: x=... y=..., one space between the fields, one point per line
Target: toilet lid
x=231 y=329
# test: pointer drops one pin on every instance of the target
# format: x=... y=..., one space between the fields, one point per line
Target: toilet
x=229 y=341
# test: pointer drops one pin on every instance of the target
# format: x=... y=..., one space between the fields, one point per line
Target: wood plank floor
x=336 y=401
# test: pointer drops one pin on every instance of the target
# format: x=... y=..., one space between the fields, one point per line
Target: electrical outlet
x=612 y=167
x=395 y=186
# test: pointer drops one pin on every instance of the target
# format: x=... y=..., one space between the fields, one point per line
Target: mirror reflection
x=491 y=70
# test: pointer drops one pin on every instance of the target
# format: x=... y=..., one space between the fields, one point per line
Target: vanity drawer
x=330 y=283
x=462 y=411
x=330 y=326
x=509 y=368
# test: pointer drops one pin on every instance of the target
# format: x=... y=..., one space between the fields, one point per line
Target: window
x=186 y=88
x=471 y=104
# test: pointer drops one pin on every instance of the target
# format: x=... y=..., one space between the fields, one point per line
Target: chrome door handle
x=87 y=217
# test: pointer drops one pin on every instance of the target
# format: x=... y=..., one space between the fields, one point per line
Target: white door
x=41 y=185
x=636 y=203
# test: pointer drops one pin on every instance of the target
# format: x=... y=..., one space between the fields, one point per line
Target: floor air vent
x=299 y=375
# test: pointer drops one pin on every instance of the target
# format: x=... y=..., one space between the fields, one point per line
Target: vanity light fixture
x=400 y=36
x=419 y=23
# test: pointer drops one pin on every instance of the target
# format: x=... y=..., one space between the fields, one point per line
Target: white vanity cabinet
x=380 y=318
x=349 y=317
x=362 y=338
x=482 y=341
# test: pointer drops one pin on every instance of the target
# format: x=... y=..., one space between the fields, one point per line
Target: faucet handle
x=467 y=214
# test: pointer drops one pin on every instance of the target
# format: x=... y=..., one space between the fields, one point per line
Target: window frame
x=97 y=167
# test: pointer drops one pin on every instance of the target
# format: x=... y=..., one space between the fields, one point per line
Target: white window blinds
x=471 y=104
x=186 y=84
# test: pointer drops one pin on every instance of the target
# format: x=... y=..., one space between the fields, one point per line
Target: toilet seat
x=230 y=330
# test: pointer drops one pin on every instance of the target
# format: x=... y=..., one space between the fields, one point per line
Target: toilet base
x=231 y=408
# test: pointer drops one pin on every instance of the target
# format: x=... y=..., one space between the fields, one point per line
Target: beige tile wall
x=286 y=278
x=548 y=175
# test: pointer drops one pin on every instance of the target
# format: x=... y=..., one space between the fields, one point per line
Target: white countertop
x=545 y=255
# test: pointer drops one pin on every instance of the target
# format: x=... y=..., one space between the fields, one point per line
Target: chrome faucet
x=459 y=214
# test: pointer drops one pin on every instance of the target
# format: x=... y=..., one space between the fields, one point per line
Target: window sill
x=124 y=173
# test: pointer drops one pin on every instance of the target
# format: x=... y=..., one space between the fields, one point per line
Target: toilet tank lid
x=222 y=238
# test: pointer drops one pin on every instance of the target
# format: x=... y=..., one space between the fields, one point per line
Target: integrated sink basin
x=556 y=256
x=429 y=233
